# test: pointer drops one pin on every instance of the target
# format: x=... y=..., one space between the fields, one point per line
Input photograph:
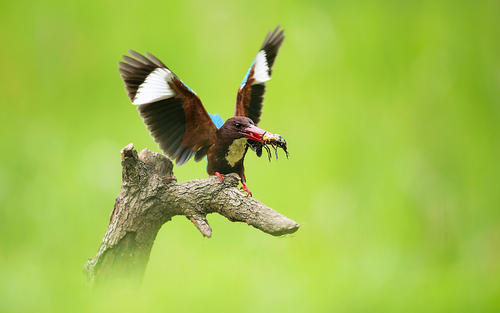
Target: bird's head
x=243 y=127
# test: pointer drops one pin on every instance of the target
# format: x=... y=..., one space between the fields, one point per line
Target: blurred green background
x=391 y=112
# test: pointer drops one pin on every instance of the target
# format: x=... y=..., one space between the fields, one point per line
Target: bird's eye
x=238 y=125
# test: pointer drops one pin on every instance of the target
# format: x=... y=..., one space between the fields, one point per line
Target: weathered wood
x=150 y=196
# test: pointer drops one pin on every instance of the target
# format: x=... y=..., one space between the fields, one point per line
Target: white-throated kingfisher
x=178 y=122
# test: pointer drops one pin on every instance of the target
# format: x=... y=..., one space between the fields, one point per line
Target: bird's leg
x=221 y=176
x=245 y=188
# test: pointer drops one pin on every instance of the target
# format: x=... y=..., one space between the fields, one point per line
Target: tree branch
x=150 y=196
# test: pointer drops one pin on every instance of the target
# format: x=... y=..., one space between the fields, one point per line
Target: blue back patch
x=248 y=73
x=188 y=87
x=218 y=121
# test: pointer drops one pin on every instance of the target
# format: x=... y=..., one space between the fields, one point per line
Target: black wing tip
x=200 y=154
x=184 y=156
x=135 y=68
x=138 y=60
x=274 y=39
x=272 y=44
x=135 y=54
x=155 y=60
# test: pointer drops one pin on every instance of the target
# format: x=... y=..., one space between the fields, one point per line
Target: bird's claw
x=221 y=176
x=245 y=188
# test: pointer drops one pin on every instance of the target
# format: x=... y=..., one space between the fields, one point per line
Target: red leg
x=245 y=188
x=221 y=177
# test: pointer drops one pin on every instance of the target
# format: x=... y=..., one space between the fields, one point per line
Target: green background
x=391 y=114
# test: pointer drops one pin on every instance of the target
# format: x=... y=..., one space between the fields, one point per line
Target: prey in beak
x=259 y=138
x=234 y=137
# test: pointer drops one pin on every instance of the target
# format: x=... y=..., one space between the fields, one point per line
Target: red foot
x=245 y=188
x=221 y=177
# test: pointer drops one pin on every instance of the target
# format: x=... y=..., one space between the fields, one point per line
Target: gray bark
x=150 y=196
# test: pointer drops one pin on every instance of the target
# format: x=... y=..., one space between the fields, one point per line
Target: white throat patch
x=236 y=151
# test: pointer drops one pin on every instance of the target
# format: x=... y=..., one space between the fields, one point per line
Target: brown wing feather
x=179 y=124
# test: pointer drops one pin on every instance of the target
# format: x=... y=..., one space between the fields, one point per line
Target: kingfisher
x=180 y=125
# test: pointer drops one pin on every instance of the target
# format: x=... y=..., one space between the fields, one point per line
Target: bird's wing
x=251 y=93
x=172 y=112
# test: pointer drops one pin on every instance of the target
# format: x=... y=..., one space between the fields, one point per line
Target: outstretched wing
x=172 y=112
x=251 y=93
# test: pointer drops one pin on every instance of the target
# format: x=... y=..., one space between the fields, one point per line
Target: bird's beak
x=254 y=133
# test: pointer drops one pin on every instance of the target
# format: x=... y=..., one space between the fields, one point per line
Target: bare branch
x=150 y=196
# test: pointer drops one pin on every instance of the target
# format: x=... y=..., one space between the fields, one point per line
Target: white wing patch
x=155 y=87
x=261 y=72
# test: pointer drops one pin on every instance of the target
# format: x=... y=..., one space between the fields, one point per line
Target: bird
x=181 y=126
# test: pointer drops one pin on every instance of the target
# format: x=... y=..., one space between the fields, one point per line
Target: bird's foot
x=245 y=188
x=221 y=176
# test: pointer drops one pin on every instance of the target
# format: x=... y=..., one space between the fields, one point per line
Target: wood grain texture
x=150 y=196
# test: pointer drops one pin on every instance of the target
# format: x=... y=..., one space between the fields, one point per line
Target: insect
x=274 y=141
